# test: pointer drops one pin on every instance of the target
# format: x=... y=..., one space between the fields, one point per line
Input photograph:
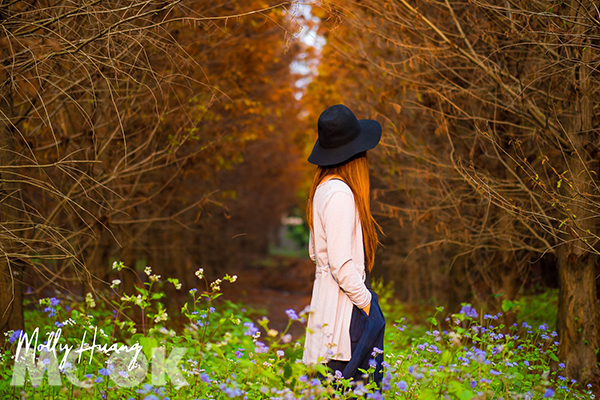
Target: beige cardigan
x=340 y=273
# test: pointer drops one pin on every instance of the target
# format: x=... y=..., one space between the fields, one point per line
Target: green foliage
x=397 y=312
x=539 y=308
x=228 y=355
x=298 y=233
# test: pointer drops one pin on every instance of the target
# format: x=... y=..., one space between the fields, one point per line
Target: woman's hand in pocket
x=367 y=308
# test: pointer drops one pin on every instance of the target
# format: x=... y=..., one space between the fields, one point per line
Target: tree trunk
x=577 y=313
x=97 y=262
x=510 y=287
x=11 y=272
x=578 y=302
x=128 y=275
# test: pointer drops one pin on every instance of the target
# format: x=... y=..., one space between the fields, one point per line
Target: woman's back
x=338 y=252
x=339 y=194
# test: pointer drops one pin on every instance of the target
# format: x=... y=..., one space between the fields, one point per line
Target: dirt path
x=286 y=283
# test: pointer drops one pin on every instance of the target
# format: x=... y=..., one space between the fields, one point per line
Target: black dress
x=366 y=336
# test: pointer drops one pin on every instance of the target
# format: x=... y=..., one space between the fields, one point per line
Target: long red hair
x=355 y=172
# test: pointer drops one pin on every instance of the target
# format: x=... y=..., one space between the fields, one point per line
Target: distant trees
x=491 y=143
x=120 y=123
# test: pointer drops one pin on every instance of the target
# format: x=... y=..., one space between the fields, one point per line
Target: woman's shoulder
x=334 y=185
x=328 y=188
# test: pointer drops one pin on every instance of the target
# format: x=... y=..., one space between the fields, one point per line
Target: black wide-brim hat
x=342 y=136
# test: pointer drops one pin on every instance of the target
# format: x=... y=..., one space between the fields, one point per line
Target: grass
x=221 y=352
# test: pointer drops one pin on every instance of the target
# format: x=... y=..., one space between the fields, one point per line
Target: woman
x=343 y=323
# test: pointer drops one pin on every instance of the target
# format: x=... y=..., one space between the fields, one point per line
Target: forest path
x=281 y=284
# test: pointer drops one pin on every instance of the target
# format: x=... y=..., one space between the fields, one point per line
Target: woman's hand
x=367 y=308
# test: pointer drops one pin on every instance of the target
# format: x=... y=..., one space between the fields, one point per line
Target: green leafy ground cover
x=221 y=352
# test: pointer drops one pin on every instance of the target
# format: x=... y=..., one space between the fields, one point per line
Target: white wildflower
x=455 y=338
x=161 y=317
x=216 y=285
x=89 y=300
x=118 y=265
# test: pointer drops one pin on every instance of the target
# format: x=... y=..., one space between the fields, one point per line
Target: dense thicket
x=489 y=161
x=131 y=130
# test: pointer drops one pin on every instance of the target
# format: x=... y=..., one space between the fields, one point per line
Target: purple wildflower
x=549 y=393
x=291 y=314
x=468 y=311
x=261 y=347
x=232 y=392
x=51 y=311
x=385 y=383
x=146 y=387
x=252 y=330
x=205 y=378
x=16 y=335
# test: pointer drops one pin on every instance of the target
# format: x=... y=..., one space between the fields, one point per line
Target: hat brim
x=370 y=134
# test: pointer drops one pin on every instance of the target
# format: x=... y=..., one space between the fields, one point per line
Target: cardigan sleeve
x=339 y=220
x=311 y=247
